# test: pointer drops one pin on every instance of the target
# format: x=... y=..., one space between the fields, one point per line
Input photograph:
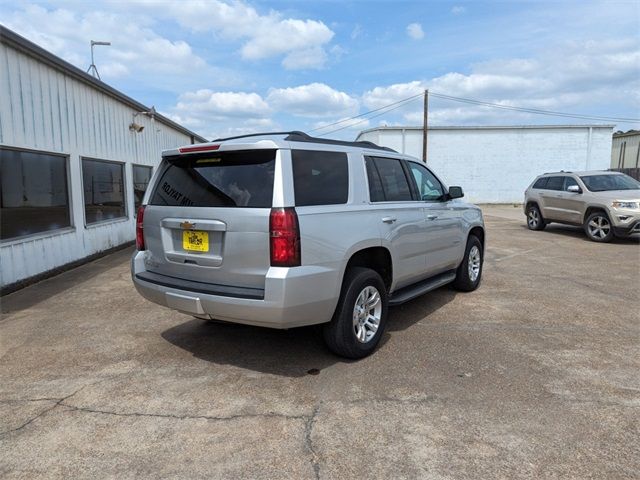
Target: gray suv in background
x=285 y=230
x=605 y=204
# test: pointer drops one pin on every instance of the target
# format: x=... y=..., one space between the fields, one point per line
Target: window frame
x=297 y=151
x=125 y=200
x=544 y=186
x=133 y=176
x=407 y=174
x=58 y=231
x=445 y=190
x=564 y=183
x=561 y=189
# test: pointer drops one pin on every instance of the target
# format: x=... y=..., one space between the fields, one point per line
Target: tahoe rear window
x=320 y=178
x=226 y=179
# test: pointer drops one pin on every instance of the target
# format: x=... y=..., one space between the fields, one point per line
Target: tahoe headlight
x=620 y=204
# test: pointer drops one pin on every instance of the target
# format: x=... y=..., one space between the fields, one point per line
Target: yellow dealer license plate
x=195 y=241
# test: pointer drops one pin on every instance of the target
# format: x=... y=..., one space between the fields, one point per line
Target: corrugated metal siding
x=625 y=151
x=43 y=109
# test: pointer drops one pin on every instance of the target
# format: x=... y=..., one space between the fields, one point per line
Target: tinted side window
x=33 y=193
x=320 y=178
x=429 y=188
x=103 y=190
x=226 y=179
x=393 y=179
x=569 y=181
x=555 y=183
x=376 y=193
x=141 y=179
x=541 y=182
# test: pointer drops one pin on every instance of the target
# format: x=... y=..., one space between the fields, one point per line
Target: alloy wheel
x=367 y=313
x=533 y=218
x=599 y=227
x=473 y=263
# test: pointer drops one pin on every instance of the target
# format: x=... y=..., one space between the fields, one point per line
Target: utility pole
x=424 y=125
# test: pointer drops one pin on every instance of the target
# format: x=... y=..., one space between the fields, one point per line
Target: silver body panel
x=425 y=239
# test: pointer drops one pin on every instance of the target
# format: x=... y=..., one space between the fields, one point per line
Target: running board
x=412 y=291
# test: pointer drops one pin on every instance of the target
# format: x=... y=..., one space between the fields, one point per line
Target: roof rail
x=297 y=136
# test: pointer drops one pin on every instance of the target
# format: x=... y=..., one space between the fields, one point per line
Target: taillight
x=199 y=148
x=285 y=237
x=139 y=231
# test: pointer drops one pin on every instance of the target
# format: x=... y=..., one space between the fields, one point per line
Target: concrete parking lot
x=535 y=375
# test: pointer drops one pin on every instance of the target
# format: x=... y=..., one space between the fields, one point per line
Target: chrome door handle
x=389 y=219
x=432 y=217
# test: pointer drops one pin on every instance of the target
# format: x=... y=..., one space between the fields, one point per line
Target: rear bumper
x=292 y=297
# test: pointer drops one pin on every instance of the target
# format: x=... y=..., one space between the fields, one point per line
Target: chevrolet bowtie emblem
x=187 y=225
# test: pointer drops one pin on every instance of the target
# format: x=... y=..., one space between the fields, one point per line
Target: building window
x=141 y=179
x=34 y=196
x=103 y=190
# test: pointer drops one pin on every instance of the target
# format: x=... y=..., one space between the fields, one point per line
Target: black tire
x=464 y=281
x=340 y=333
x=535 y=221
x=598 y=227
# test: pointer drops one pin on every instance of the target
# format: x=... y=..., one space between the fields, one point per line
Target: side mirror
x=455 y=192
x=574 y=189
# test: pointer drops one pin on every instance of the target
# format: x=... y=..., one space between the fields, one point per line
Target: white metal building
x=496 y=164
x=625 y=150
x=72 y=169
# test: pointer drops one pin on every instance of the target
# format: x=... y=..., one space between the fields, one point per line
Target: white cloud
x=313 y=100
x=382 y=96
x=301 y=42
x=222 y=114
x=135 y=48
x=575 y=77
x=414 y=30
x=221 y=105
x=458 y=10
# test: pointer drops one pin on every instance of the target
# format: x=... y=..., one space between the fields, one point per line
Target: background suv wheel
x=534 y=218
x=598 y=227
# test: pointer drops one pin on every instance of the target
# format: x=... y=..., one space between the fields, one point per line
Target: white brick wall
x=496 y=164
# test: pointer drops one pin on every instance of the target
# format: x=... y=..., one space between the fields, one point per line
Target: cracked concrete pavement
x=535 y=375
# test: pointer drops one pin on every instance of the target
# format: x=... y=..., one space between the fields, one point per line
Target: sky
x=224 y=68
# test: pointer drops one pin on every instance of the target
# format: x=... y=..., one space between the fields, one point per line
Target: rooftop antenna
x=93 y=70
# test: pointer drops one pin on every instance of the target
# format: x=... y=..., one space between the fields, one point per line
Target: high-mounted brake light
x=139 y=231
x=284 y=235
x=199 y=148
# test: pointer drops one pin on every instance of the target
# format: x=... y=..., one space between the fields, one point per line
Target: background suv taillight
x=139 y=231
x=284 y=236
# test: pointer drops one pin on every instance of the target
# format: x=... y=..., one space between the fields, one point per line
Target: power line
x=533 y=110
x=404 y=101
x=366 y=113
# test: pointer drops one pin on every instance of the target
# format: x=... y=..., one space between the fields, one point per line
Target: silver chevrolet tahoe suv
x=285 y=230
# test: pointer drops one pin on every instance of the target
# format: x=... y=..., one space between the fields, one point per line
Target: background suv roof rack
x=297 y=136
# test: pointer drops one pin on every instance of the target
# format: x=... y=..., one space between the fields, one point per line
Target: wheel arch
x=592 y=209
x=477 y=232
x=376 y=258
x=533 y=203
